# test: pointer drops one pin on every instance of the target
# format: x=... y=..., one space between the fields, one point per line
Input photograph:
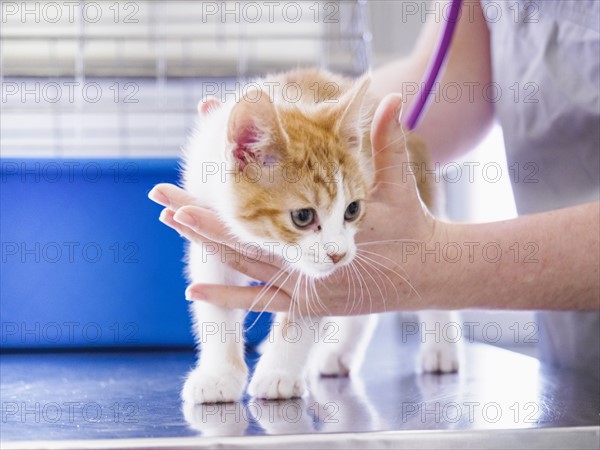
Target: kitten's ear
x=207 y=105
x=254 y=131
x=351 y=124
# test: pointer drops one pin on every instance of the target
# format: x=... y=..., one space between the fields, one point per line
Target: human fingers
x=389 y=145
x=253 y=298
x=205 y=222
x=193 y=222
x=255 y=268
x=248 y=261
x=166 y=217
x=170 y=196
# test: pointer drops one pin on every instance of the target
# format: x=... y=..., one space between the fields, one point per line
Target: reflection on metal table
x=500 y=399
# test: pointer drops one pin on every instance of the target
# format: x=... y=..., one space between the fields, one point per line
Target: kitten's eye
x=303 y=217
x=352 y=211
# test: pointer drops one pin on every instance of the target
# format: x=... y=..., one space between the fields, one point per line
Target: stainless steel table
x=500 y=399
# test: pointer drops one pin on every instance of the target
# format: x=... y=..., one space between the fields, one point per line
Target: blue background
x=85 y=261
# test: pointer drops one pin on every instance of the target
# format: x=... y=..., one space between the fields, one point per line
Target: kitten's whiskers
x=361 y=298
x=264 y=290
x=387 y=259
x=363 y=281
x=377 y=285
x=406 y=280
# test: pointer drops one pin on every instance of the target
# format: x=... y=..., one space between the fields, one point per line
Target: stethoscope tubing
x=434 y=69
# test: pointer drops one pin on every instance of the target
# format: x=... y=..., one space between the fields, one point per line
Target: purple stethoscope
x=435 y=65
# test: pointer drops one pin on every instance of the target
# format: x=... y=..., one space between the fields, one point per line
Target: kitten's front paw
x=222 y=385
x=276 y=385
x=439 y=358
x=334 y=364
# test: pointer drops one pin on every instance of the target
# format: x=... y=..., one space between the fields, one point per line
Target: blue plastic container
x=85 y=261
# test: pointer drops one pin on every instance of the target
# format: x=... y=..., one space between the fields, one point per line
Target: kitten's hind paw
x=440 y=359
x=334 y=364
x=277 y=385
x=214 y=386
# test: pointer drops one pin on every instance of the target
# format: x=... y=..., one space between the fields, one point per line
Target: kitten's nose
x=336 y=257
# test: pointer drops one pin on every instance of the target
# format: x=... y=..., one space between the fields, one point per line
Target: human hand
x=377 y=280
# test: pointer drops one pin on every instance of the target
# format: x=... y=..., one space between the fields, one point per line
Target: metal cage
x=122 y=79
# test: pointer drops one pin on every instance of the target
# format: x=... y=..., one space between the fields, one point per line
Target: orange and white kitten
x=291 y=177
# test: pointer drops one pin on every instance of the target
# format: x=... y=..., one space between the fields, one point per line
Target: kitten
x=287 y=167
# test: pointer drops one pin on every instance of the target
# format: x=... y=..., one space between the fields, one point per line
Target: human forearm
x=458 y=115
x=542 y=261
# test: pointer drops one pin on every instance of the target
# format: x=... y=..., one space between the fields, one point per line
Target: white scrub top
x=546 y=67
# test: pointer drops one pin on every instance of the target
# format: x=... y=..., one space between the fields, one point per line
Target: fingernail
x=398 y=113
x=163 y=215
x=194 y=294
x=185 y=219
x=156 y=196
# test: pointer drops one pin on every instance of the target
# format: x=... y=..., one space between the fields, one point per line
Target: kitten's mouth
x=324 y=270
